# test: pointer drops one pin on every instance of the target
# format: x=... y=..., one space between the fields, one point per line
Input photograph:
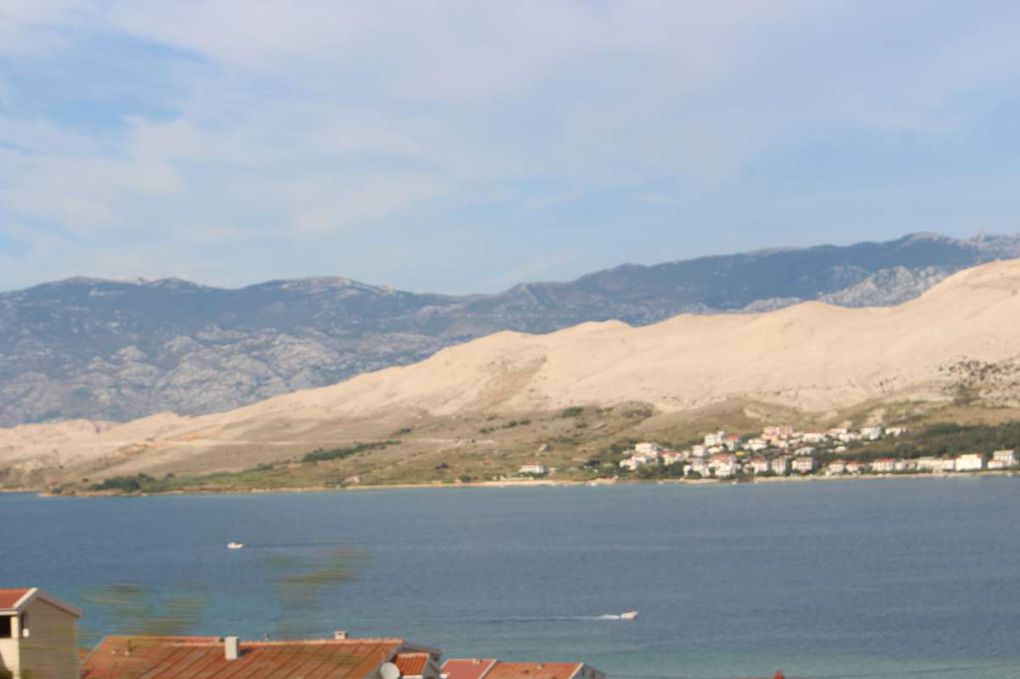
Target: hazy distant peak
x=322 y=284
x=922 y=236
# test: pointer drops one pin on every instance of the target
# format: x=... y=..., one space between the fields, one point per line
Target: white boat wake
x=605 y=617
x=627 y=615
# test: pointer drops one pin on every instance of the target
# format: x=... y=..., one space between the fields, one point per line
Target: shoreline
x=537 y=483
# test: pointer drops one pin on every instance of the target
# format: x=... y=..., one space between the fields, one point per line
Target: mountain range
x=116 y=351
x=955 y=345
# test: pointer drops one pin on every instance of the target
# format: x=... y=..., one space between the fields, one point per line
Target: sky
x=468 y=146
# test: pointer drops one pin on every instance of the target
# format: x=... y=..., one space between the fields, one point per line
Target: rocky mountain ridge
x=109 y=350
x=954 y=348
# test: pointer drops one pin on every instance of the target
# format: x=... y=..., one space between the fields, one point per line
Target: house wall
x=9 y=655
x=51 y=649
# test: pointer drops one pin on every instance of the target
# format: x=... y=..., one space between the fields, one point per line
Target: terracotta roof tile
x=533 y=670
x=205 y=658
x=9 y=597
x=412 y=664
x=467 y=668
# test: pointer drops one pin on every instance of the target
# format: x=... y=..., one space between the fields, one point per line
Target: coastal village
x=780 y=451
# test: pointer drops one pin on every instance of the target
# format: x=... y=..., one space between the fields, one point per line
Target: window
x=6 y=626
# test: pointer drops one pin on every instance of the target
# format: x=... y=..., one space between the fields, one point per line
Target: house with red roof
x=38 y=635
x=487 y=668
x=38 y=640
x=418 y=665
x=123 y=657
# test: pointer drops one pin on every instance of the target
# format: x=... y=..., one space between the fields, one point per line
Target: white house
x=970 y=462
x=756 y=445
x=535 y=469
x=855 y=467
x=759 y=465
x=672 y=457
x=1006 y=457
x=884 y=465
x=780 y=465
x=725 y=470
x=905 y=465
x=647 y=448
x=715 y=439
x=732 y=442
x=871 y=433
x=724 y=465
x=700 y=467
x=936 y=464
x=836 y=467
x=804 y=465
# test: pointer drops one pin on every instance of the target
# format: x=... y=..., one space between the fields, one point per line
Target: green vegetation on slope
x=942 y=438
x=321 y=455
x=581 y=443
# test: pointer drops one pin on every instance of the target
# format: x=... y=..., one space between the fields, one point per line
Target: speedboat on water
x=235 y=545
x=628 y=615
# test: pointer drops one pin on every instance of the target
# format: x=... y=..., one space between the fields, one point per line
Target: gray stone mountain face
x=112 y=350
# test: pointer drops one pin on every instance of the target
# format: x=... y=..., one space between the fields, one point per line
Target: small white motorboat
x=628 y=615
x=235 y=545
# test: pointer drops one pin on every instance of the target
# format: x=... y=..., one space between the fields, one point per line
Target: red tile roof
x=10 y=597
x=534 y=670
x=412 y=664
x=467 y=668
x=205 y=658
x=18 y=599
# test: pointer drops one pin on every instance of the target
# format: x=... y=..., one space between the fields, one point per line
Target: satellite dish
x=389 y=671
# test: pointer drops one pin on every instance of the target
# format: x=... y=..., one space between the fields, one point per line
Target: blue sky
x=468 y=146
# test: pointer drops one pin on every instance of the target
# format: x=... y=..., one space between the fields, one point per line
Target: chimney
x=232 y=648
x=340 y=634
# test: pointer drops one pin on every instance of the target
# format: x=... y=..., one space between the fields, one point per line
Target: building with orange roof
x=38 y=635
x=122 y=657
x=38 y=640
x=479 y=668
x=419 y=665
x=467 y=668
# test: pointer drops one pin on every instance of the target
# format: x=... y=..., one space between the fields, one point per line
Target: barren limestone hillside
x=113 y=350
x=956 y=344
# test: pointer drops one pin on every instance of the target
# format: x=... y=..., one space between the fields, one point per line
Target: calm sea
x=862 y=578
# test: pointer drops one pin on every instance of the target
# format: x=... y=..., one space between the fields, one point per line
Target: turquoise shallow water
x=862 y=578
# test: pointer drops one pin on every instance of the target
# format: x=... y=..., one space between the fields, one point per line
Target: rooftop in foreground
x=210 y=658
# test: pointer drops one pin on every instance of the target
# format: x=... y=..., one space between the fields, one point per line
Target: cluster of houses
x=39 y=640
x=967 y=462
x=781 y=451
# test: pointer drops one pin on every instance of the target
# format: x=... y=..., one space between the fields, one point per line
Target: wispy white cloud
x=311 y=135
